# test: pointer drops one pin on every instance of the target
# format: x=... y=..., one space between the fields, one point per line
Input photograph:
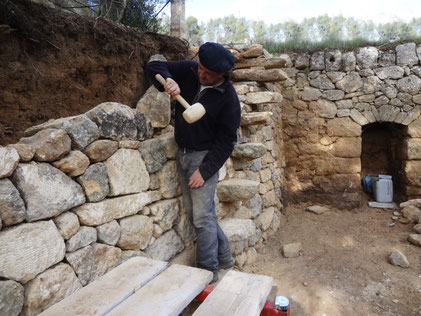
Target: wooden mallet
x=193 y=113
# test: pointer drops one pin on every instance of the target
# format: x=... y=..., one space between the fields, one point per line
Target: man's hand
x=171 y=87
x=196 y=180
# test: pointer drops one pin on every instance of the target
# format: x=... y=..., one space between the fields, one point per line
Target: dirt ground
x=343 y=268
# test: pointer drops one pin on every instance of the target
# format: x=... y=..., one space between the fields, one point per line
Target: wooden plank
x=238 y=293
x=166 y=295
x=98 y=297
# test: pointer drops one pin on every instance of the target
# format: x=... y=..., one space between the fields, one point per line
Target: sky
x=276 y=11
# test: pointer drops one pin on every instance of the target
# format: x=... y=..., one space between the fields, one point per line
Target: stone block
x=260 y=75
x=95 y=182
x=136 y=232
x=9 y=159
x=101 y=150
x=153 y=154
x=157 y=106
x=109 y=233
x=82 y=262
x=165 y=247
x=232 y=190
x=74 y=164
x=165 y=213
x=84 y=237
x=11 y=298
x=105 y=259
x=67 y=224
x=12 y=207
x=168 y=179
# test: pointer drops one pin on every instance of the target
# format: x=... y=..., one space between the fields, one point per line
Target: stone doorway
x=383 y=153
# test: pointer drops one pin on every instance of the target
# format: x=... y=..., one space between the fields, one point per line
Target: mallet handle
x=178 y=97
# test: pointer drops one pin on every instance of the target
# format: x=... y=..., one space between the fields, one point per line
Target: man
x=205 y=145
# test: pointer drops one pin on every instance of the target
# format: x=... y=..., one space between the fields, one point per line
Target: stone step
x=233 y=190
x=255 y=118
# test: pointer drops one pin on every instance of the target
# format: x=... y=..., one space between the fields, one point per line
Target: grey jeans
x=212 y=244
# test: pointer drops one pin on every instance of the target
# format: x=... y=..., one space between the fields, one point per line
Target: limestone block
x=117 y=121
x=67 y=224
x=47 y=191
x=254 y=205
x=9 y=159
x=334 y=95
x=265 y=175
x=372 y=84
x=254 y=50
x=157 y=231
x=95 y=182
x=412 y=172
x=291 y=250
x=126 y=172
x=153 y=154
x=267 y=63
x=165 y=247
x=317 y=61
x=344 y=104
x=165 y=213
x=82 y=262
x=109 y=233
x=12 y=207
x=350 y=83
x=322 y=82
x=157 y=106
x=168 y=179
x=415 y=239
x=249 y=150
x=397 y=258
x=410 y=84
x=406 y=55
x=264 y=220
x=94 y=214
x=232 y=190
x=391 y=72
x=367 y=57
x=239 y=233
x=241 y=259
x=84 y=237
x=129 y=144
x=330 y=166
x=255 y=118
x=414 y=202
x=269 y=199
x=412 y=115
x=412 y=149
x=29 y=249
x=390 y=92
x=349 y=61
x=185 y=229
x=310 y=94
x=105 y=259
x=368 y=114
x=73 y=164
x=416 y=99
x=333 y=60
x=347 y=147
x=49 y=144
x=387 y=58
x=101 y=150
x=302 y=61
x=136 y=232
x=263 y=97
x=414 y=129
x=25 y=152
x=11 y=298
x=260 y=75
x=358 y=117
x=326 y=109
x=170 y=146
x=49 y=287
x=412 y=213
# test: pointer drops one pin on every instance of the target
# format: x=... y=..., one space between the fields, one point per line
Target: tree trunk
x=178 y=20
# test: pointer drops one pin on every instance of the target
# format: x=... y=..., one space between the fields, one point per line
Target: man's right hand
x=171 y=87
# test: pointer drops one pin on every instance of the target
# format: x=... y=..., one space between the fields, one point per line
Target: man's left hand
x=196 y=180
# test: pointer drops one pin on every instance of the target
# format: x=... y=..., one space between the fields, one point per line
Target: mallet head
x=194 y=113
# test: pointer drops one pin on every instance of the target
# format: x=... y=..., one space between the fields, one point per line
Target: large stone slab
x=117 y=121
x=249 y=150
x=12 y=207
x=263 y=97
x=136 y=232
x=232 y=190
x=255 y=118
x=261 y=75
x=9 y=159
x=267 y=63
x=93 y=214
x=127 y=172
x=165 y=247
x=29 y=249
x=153 y=153
x=50 y=287
x=49 y=144
x=47 y=191
x=11 y=298
x=157 y=106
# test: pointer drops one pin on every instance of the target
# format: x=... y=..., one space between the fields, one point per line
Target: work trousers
x=212 y=244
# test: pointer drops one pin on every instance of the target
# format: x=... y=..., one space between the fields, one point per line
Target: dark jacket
x=216 y=131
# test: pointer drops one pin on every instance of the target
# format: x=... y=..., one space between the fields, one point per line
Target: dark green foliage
x=142 y=14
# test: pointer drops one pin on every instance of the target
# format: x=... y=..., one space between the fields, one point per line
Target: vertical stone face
x=95 y=182
x=165 y=213
x=136 y=232
x=168 y=179
x=82 y=262
x=49 y=287
x=178 y=20
x=127 y=173
x=105 y=258
x=12 y=208
x=11 y=298
x=165 y=247
x=67 y=224
x=157 y=105
x=9 y=159
x=46 y=190
x=29 y=249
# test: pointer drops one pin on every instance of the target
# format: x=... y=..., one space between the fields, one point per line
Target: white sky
x=276 y=11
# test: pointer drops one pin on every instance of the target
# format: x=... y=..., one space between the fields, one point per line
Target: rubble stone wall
x=79 y=195
x=329 y=99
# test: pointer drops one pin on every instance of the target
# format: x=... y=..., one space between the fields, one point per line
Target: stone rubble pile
x=80 y=195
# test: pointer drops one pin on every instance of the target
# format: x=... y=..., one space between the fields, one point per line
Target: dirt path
x=343 y=269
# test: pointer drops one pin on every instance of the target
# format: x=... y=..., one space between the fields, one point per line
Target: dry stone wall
x=80 y=195
x=329 y=98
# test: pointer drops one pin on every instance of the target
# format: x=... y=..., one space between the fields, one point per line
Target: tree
x=142 y=14
x=260 y=31
x=194 y=31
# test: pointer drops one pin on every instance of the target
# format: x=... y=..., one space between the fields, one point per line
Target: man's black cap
x=215 y=57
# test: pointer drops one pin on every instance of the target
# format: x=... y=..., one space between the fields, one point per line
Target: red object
x=267 y=310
